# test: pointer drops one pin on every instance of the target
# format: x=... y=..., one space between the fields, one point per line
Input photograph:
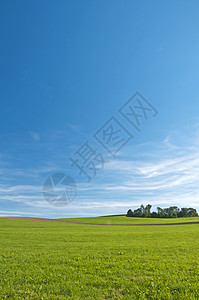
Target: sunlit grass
x=47 y=260
x=131 y=220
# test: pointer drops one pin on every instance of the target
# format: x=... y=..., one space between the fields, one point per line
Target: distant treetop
x=170 y=212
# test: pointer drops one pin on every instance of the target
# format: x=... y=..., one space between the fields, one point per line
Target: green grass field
x=48 y=260
x=130 y=220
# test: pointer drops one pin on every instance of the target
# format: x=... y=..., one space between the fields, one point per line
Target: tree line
x=170 y=212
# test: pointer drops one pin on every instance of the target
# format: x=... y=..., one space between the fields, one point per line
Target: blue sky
x=66 y=67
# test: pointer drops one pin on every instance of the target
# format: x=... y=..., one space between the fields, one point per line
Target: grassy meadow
x=131 y=220
x=48 y=260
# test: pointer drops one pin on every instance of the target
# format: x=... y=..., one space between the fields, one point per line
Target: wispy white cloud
x=158 y=173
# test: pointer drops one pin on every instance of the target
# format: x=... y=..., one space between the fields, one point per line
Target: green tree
x=130 y=213
x=138 y=212
x=147 y=211
x=161 y=213
x=173 y=212
x=192 y=212
x=184 y=211
x=142 y=209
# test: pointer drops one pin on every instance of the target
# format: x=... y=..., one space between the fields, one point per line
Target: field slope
x=130 y=220
x=53 y=260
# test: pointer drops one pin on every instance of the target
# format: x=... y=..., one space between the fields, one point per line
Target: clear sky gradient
x=66 y=67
